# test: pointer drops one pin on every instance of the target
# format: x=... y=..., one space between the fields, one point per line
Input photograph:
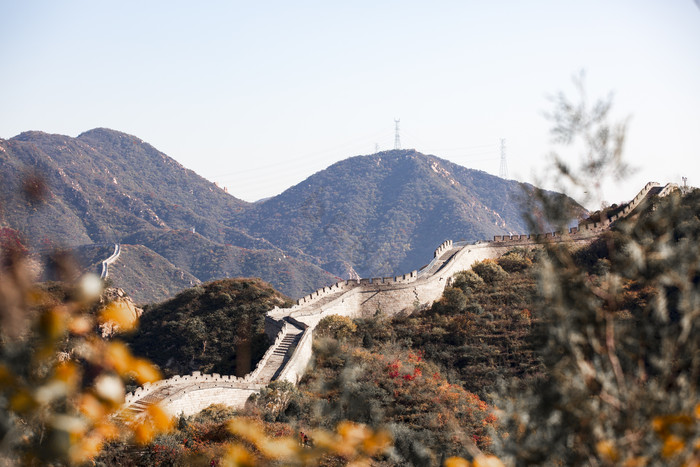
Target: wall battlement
x=352 y=298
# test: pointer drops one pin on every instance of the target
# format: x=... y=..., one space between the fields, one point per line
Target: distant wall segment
x=352 y=298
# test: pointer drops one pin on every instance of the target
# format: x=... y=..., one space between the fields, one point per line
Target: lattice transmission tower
x=397 y=139
x=503 y=173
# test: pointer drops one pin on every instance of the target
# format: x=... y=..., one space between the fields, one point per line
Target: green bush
x=514 y=261
x=274 y=400
x=468 y=281
x=489 y=271
x=335 y=326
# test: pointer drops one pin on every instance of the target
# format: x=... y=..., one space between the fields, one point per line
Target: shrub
x=514 y=262
x=335 y=326
x=453 y=301
x=468 y=281
x=273 y=400
x=489 y=271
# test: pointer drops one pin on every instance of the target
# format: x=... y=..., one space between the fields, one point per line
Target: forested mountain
x=384 y=214
x=105 y=187
x=365 y=216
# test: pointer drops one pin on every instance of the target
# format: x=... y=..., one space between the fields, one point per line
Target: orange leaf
x=119 y=357
x=145 y=371
x=162 y=421
x=119 y=313
x=456 y=462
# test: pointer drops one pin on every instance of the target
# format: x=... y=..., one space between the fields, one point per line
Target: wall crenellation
x=444 y=246
x=353 y=298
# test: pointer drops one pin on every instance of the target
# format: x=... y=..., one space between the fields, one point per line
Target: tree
x=619 y=342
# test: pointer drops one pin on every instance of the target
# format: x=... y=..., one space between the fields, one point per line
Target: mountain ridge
x=365 y=216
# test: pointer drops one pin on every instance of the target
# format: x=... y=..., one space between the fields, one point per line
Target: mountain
x=384 y=214
x=106 y=187
x=366 y=216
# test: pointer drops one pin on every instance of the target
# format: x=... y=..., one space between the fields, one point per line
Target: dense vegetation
x=497 y=339
x=218 y=327
x=529 y=333
x=479 y=332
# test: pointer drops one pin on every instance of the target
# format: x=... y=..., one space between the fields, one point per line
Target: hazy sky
x=260 y=95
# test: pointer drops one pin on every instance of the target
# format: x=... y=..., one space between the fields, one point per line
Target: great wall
x=291 y=329
x=113 y=257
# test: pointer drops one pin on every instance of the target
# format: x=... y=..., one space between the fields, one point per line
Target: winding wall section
x=110 y=260
x=291 y=329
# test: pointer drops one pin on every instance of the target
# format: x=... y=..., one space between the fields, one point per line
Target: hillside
x=209 y=260
x=106 y=187
x=217 y=327
x=365 y=216
x=384 y=214
x=104 y=184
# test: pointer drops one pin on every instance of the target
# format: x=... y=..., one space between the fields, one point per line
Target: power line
x=503 y=173
x=397 y=139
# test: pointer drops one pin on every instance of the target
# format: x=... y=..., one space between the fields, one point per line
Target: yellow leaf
x=238 y=456
x=456 y=462
x=283 y=448
x=144 y=432
x=697 y=411
x=245 y=429
x=377 y=443
x=22 y=401
x=107 y=430
x=672 y=445
x=353 y=433
x=162 y=421
x=120 y=314
x=607 y=450
x=53 y=323
x=80 y=325
x=69 y=373
x=85 y=449
x=144 y=371
x=119 y=357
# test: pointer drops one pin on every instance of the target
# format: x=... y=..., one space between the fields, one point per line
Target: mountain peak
x=106 y=133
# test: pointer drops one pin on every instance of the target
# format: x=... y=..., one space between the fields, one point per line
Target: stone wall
x=194 y=400
x=296 y=366
x=355 y=298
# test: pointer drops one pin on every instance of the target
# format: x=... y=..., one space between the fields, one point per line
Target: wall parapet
x=444 y=246
x=268 y=354
x=296 y=365
x=325 y=291
x=186 y=380
x=353 y=295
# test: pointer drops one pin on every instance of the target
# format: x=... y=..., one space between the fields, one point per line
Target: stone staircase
x=138 y=407
x=270 y=370
x=280 y=356
x=288 y=356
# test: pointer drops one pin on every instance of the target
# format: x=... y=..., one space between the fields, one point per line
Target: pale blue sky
x=260 y=95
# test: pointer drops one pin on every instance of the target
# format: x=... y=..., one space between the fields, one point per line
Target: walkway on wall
x=268 y=370
x=105 y=264
x=438 y=263
x=280 y=355
x=289 y=354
